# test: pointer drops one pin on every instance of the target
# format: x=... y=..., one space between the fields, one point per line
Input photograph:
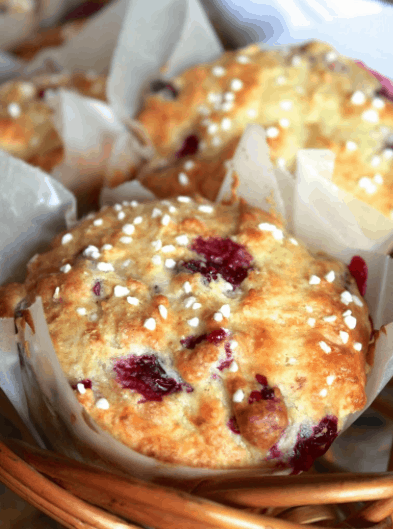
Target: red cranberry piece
x=215 y=337
x=145 y=375
x=97 y=288
x=189 y=147
x=274 y=452
x=229 y=359
x=41 y=94
x=86 y=382
x=306 y=451
x=233 y=426
x=192 y=341
x=222 y=256
x=84 y=10
x=266 y=393
x=359 y=271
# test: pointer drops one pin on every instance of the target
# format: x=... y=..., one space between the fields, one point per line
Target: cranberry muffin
x=306 y=97
x=203 y=335
x=27 y=130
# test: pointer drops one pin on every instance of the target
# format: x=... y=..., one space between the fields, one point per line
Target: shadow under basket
x=83 y=496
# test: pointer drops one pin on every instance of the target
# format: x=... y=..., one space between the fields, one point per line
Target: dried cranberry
x=307 y=450
x=229 y=359
x=41 y=94
x=266 y=393
x=233 y=426
x=215 y=337
x=223 y=256
x=274 y=452
x=189 y=147
x=145 y=375
x=97 y=288
x=86 y=382
x=359 y=271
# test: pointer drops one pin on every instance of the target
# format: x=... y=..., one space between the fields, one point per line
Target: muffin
x=27 y=130
x=72 y=23
x=306 y=97
x=203 y=335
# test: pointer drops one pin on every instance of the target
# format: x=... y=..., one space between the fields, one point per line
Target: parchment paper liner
x=51 y=401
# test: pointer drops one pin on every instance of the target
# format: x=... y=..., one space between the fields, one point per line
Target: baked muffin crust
x=200 y=334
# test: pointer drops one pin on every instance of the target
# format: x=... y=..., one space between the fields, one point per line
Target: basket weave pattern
x=83 y=496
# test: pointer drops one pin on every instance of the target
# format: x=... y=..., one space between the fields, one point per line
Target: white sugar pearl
x=194 y=322
x=233 y=368
x=150 y=324
x=81 y=388
x=168 y=248
x=182 y=240
x=218 y=316
x=128 y=229
x=183 y=179
x=105 y=267
x=106 y=247
x=184 y=199
x=330 y=277
x=137 y=220
x=170 y=263
x=189 y=301
x=330 y=379
x=226 y=124
x=163 y=311
x=323 y=392
x=357 y=301
x=91 y=251
x=165 y=220
x=330 y=319
x=346 y=297
x=357 y=346
x=156 y=213
x=284 y=123
x=371 y=116
x=102 y=404
x=121 y=215
x=133 y=301
x=350 y=322
x=358 y=98
x=98 y=222
x=238 y=396
x=120 y=291
x=286 y=105
x=206 y=209
x=378 y=102
x=218 y=71
x=272 y=132
x=66 y=238
x=344 y=336
x=236 y=85
x=156 y=260
x=314 y=280
x=225 y=310
x=311 y=322
x=14 y=110
x=325 y=348
x=351 y=146
x=252 y=113
x=189 y=165
x=242 y=59
x=81 y=311
x=125 y=240
x=65 y=268
x=187 y=287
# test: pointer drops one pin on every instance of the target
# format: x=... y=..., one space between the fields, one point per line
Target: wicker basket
x=83 y=496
